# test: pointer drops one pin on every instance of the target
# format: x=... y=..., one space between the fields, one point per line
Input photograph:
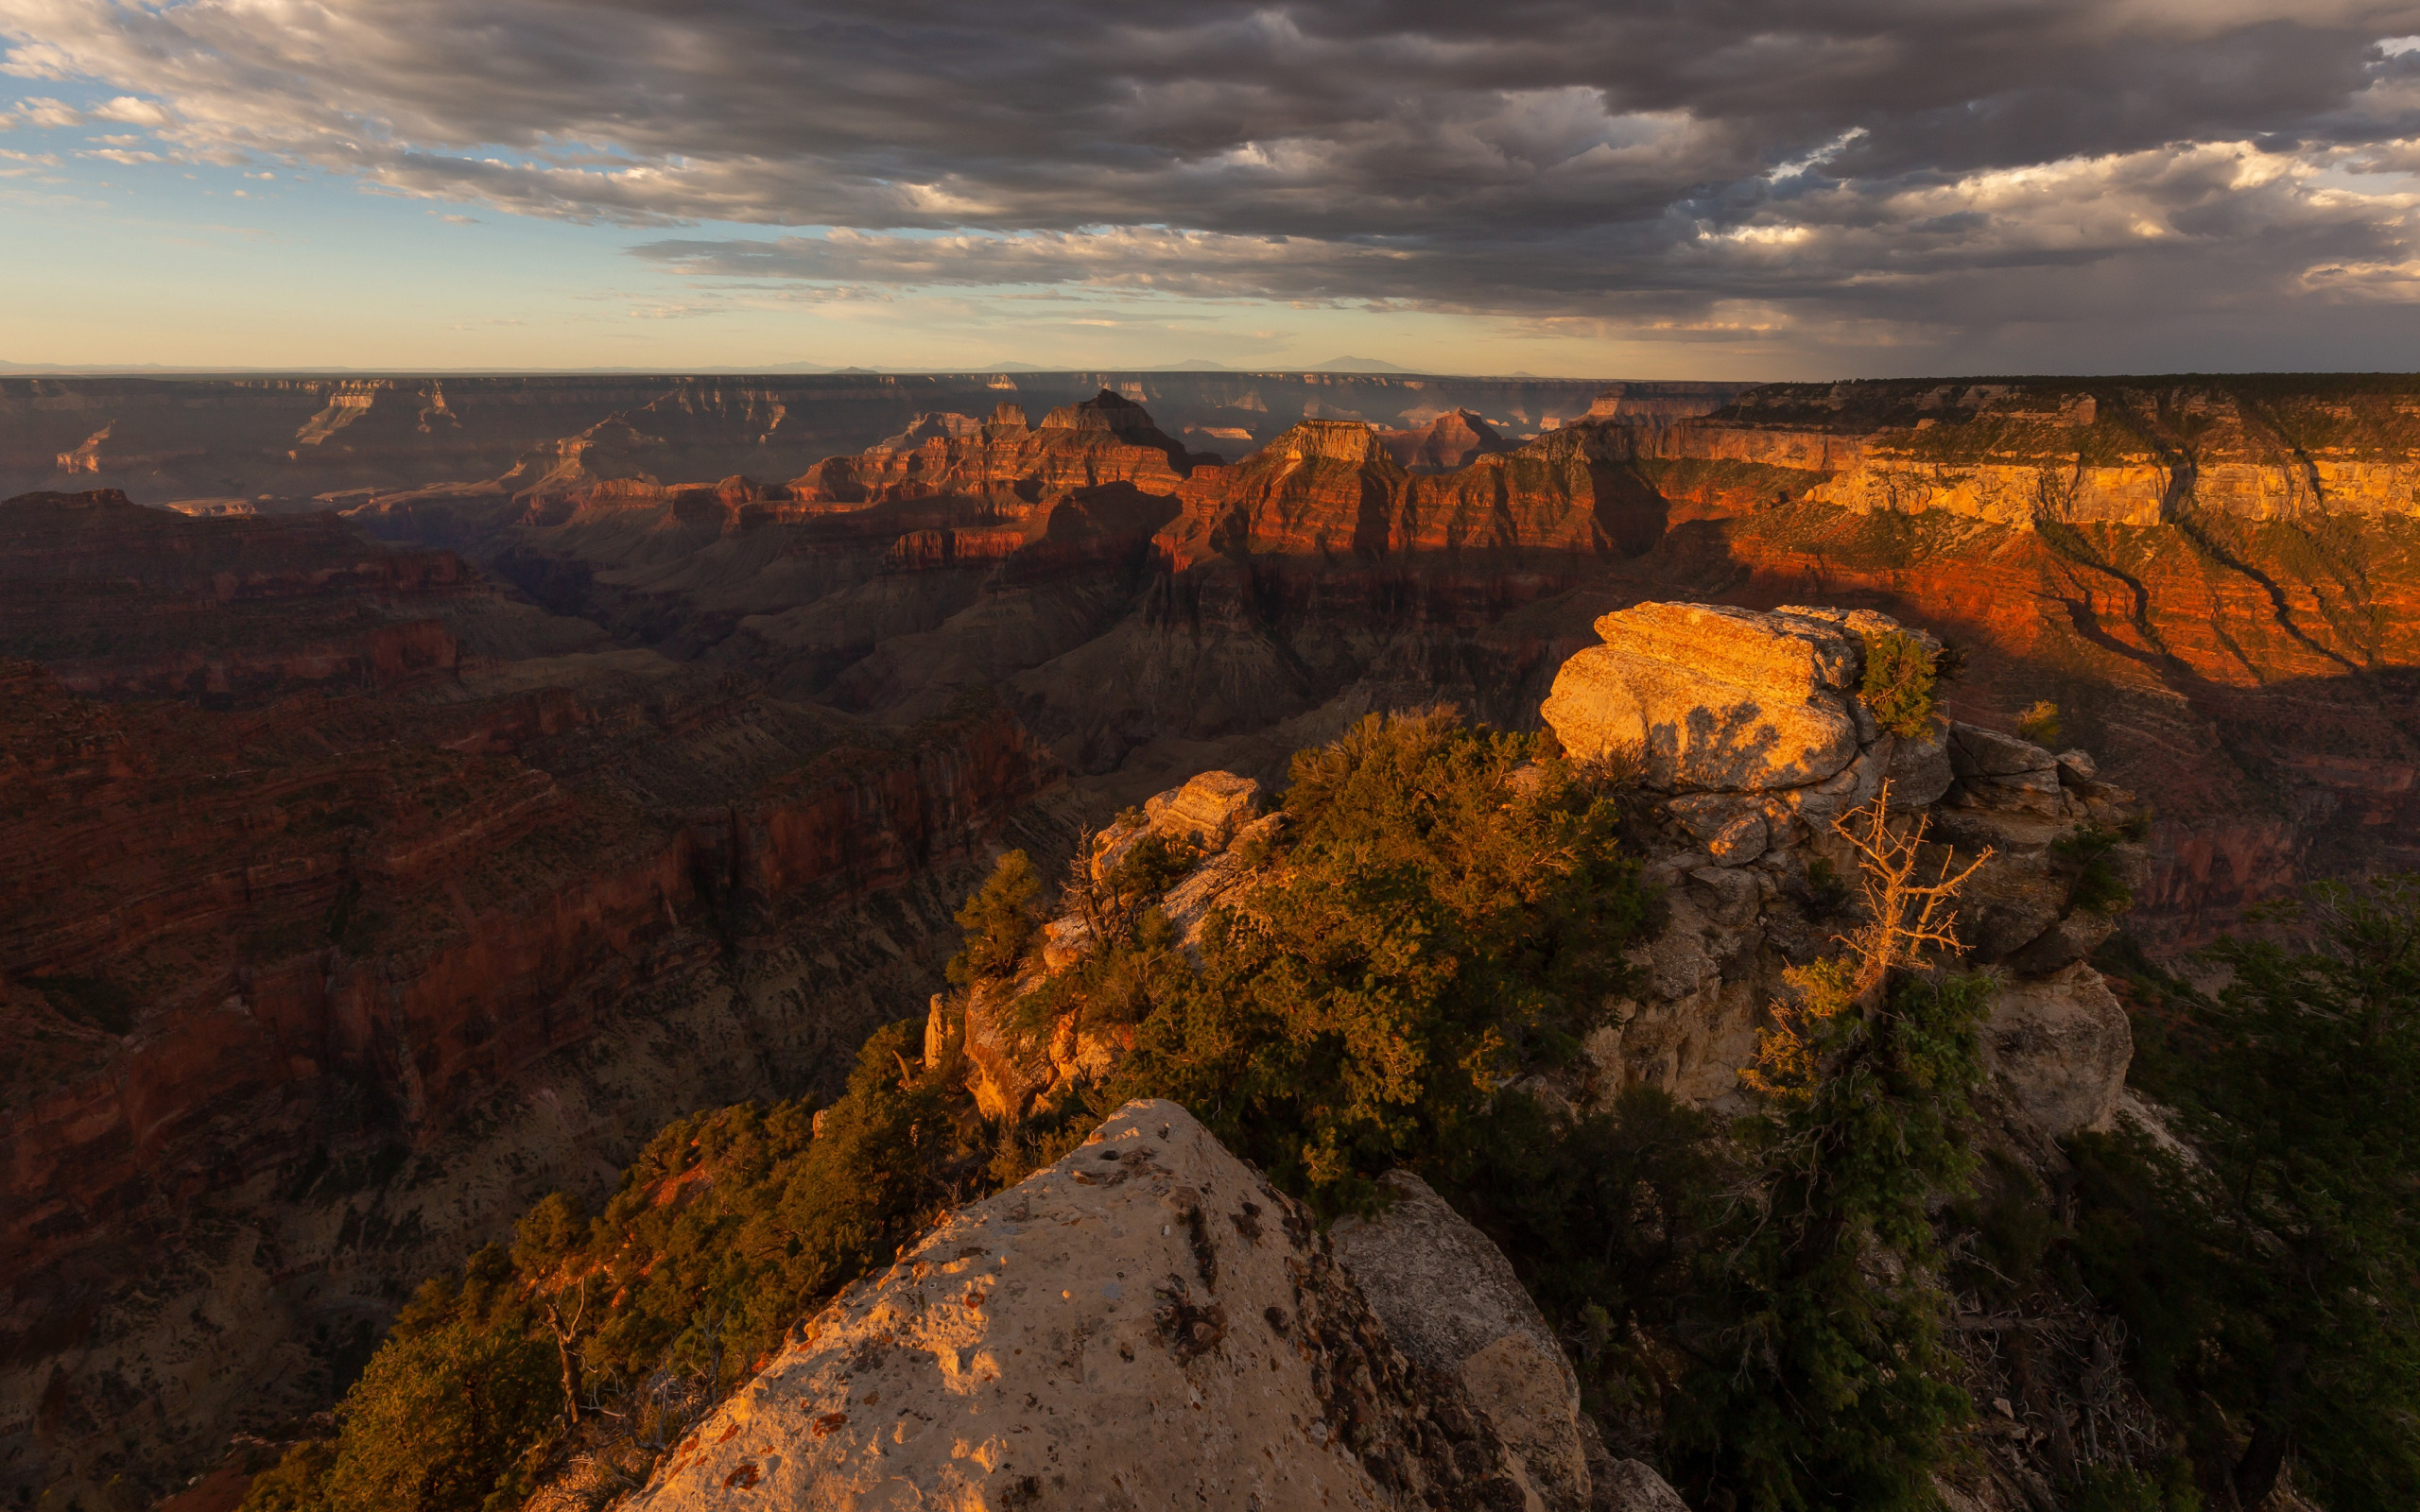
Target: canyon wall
x=2115 y=450
x=2225 y=632
x=318 y=972
x=245 y=444
x=371 y=872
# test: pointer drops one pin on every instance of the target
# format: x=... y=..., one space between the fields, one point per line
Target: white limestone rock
x=1146 y=1322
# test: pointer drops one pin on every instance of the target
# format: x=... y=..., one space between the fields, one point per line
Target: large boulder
x=2057 y=1047
x=1713 y=698
x=1450 y=1300
x=1206 y=811
x=1144 y=1323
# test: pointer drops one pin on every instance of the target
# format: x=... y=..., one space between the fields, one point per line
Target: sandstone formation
x=1753 y=761
x=1149 y=1322
x=2073 y=450
x=1715 y=699
x=1003 y=461
x=1445 y=444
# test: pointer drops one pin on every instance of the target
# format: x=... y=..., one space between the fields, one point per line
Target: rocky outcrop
x=1150 y=1319
x=1715 y=700
x=1449 y=1301
x=1746 y=729
x=1213 y=824
x=1006 y=462
x=1145 y=1320
x=2057 y=1047
x=1450 y=441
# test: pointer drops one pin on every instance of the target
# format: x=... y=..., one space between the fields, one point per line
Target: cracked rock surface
x=1144 y=1323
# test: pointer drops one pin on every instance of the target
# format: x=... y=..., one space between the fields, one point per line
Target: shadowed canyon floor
x=618 y=748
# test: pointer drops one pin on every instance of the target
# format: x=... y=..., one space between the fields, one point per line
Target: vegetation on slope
x=1762 y=1305
x=2270 y=1275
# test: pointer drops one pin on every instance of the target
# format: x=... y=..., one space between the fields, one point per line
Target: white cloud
x=1722 y=171
x=132 y=112
x=41 y=111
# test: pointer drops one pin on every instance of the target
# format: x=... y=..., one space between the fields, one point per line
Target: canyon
x=416 y=791
x=351 y=905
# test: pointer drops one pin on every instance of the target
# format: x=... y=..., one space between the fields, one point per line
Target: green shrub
x=297 y=1483
x=1898 y=687
x=700 y=1276
x=2124 y=1488
x=439 y=1418
x=1430 y=929
x=2040 y=724
x=999 y=921
x=2094 y=883
x=2272 y=1287
x=1610 y=1219
x=1827 y=892
x=1823 y=1381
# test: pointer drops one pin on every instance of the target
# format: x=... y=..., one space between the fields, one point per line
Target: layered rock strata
x=2139 y=452
x=331 y=972
x=121 y=601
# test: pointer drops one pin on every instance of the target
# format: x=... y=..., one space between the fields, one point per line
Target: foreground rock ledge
x=1147 y=1323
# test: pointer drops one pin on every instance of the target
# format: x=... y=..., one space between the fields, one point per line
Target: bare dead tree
x=566 y=1333
x=1905 y=917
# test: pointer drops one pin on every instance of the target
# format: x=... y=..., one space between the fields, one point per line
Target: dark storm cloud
x=1712 y=167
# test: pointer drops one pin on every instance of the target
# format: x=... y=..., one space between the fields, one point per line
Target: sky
x=1591 y=188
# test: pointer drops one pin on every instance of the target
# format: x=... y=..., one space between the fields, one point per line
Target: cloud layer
x=1913 y=173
